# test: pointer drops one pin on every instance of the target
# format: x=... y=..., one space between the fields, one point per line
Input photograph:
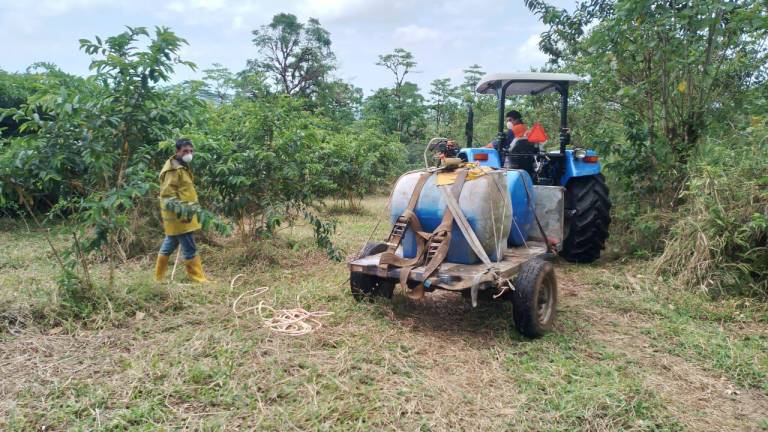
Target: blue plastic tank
x=484 y=202
x=521 y=209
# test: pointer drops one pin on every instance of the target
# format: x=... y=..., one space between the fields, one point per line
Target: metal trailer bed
x=451 y=276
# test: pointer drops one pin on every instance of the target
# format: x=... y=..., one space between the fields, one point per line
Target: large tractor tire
x=534 y=300
x=588 y=216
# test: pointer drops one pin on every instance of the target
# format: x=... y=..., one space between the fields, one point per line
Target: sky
x=445 y=37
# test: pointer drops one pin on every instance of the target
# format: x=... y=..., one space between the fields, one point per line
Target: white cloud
x=237 y=22
x=201 y=5
x=414 y=34
x=177 y=6
x=529 y=54
x=445 y=37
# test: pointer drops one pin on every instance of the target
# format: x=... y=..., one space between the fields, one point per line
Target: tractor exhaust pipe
x=565 y=133
x=469 y=128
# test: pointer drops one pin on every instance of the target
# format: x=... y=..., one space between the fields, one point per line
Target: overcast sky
x=445 y=37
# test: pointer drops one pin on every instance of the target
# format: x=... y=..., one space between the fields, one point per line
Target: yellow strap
x=449 y=177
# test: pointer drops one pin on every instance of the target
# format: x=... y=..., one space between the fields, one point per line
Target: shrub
x=720 y=242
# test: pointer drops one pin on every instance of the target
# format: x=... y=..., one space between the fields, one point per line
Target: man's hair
x=514 y=115
x=182 y=142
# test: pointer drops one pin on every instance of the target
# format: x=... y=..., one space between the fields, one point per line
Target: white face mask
x=187 y=158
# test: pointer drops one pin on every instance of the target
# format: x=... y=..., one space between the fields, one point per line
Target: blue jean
x=188 y=248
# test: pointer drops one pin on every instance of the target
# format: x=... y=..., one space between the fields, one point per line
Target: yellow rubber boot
x=195 y=270
x=161 y=267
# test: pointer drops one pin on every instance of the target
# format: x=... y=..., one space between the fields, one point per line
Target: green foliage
x=296 y=56
x=323 y=231
x=401 y=113
x=444 y=105
x=91 y=144
x=219 y=84
x=363 y=160
x=670 y=68
x=720 y=242
x=667 y=80
x=208 y=220
x=339 y=101
x=266 y=161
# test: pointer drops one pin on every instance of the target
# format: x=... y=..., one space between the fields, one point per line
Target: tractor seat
x=521 y=154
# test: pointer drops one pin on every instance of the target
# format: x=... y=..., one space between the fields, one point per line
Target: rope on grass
x=247 y=296
x=232 y=284
x=291 y=322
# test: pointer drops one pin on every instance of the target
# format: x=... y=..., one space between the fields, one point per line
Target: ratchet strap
x=401 y=225
x=431 y=249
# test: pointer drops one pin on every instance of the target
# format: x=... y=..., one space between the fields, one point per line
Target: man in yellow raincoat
x=176 y=182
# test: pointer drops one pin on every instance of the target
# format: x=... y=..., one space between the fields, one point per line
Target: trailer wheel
x=534 y=300
x=365 y=286
x=372 y=248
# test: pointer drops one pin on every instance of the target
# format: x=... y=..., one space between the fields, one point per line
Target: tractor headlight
x=579 y=153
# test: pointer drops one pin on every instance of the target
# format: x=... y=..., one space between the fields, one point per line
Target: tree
x=670 y=66
x=406 y=117
x=219 y=84
x=400 y=62
x=296 y=56
x=341 y=101
x=443 y=103
x=472 y=76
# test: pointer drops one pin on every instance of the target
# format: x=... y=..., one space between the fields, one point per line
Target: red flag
x=537 y=134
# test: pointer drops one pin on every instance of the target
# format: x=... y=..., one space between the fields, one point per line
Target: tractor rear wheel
x=364 y=286
x=534 y=300
x=588 y=208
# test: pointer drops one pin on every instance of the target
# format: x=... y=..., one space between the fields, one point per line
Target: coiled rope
x=292 y=322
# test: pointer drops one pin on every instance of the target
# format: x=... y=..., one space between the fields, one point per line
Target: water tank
x=484 y=201
x=521 y=209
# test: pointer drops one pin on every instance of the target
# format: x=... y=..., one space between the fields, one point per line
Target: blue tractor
x=587 y=202
x=487 y=221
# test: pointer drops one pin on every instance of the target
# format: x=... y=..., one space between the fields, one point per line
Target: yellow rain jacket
x=176 y=181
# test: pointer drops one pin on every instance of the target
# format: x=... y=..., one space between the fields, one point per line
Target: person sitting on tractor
x=516 y=128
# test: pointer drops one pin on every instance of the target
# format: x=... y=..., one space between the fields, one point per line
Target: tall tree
x=400 y=62
x=406 y=117
x=219 y=84
x=472 y=76
x=443 y=104
x=296 y=56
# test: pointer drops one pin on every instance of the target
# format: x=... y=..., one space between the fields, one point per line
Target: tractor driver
x=515 y=129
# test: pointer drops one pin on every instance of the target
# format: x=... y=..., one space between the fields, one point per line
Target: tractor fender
x=579 y=168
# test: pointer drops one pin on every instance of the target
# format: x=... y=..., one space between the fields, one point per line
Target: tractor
x=488 y=222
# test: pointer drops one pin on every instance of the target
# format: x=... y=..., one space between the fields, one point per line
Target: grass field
x=629 y=352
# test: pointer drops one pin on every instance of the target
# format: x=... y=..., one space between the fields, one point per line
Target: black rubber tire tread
x=373 y=248
x=531 y=278
x=367 y=286
x=588 y=228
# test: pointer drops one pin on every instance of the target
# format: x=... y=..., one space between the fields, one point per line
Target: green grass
x=727 y=336
x=187 y=361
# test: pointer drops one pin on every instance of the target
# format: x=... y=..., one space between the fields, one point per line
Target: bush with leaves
x=263 y=161
x=719 y=244
x=363 y=159
x=90 y=147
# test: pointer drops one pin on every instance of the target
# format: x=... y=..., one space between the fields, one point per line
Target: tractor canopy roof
x=526 y=83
